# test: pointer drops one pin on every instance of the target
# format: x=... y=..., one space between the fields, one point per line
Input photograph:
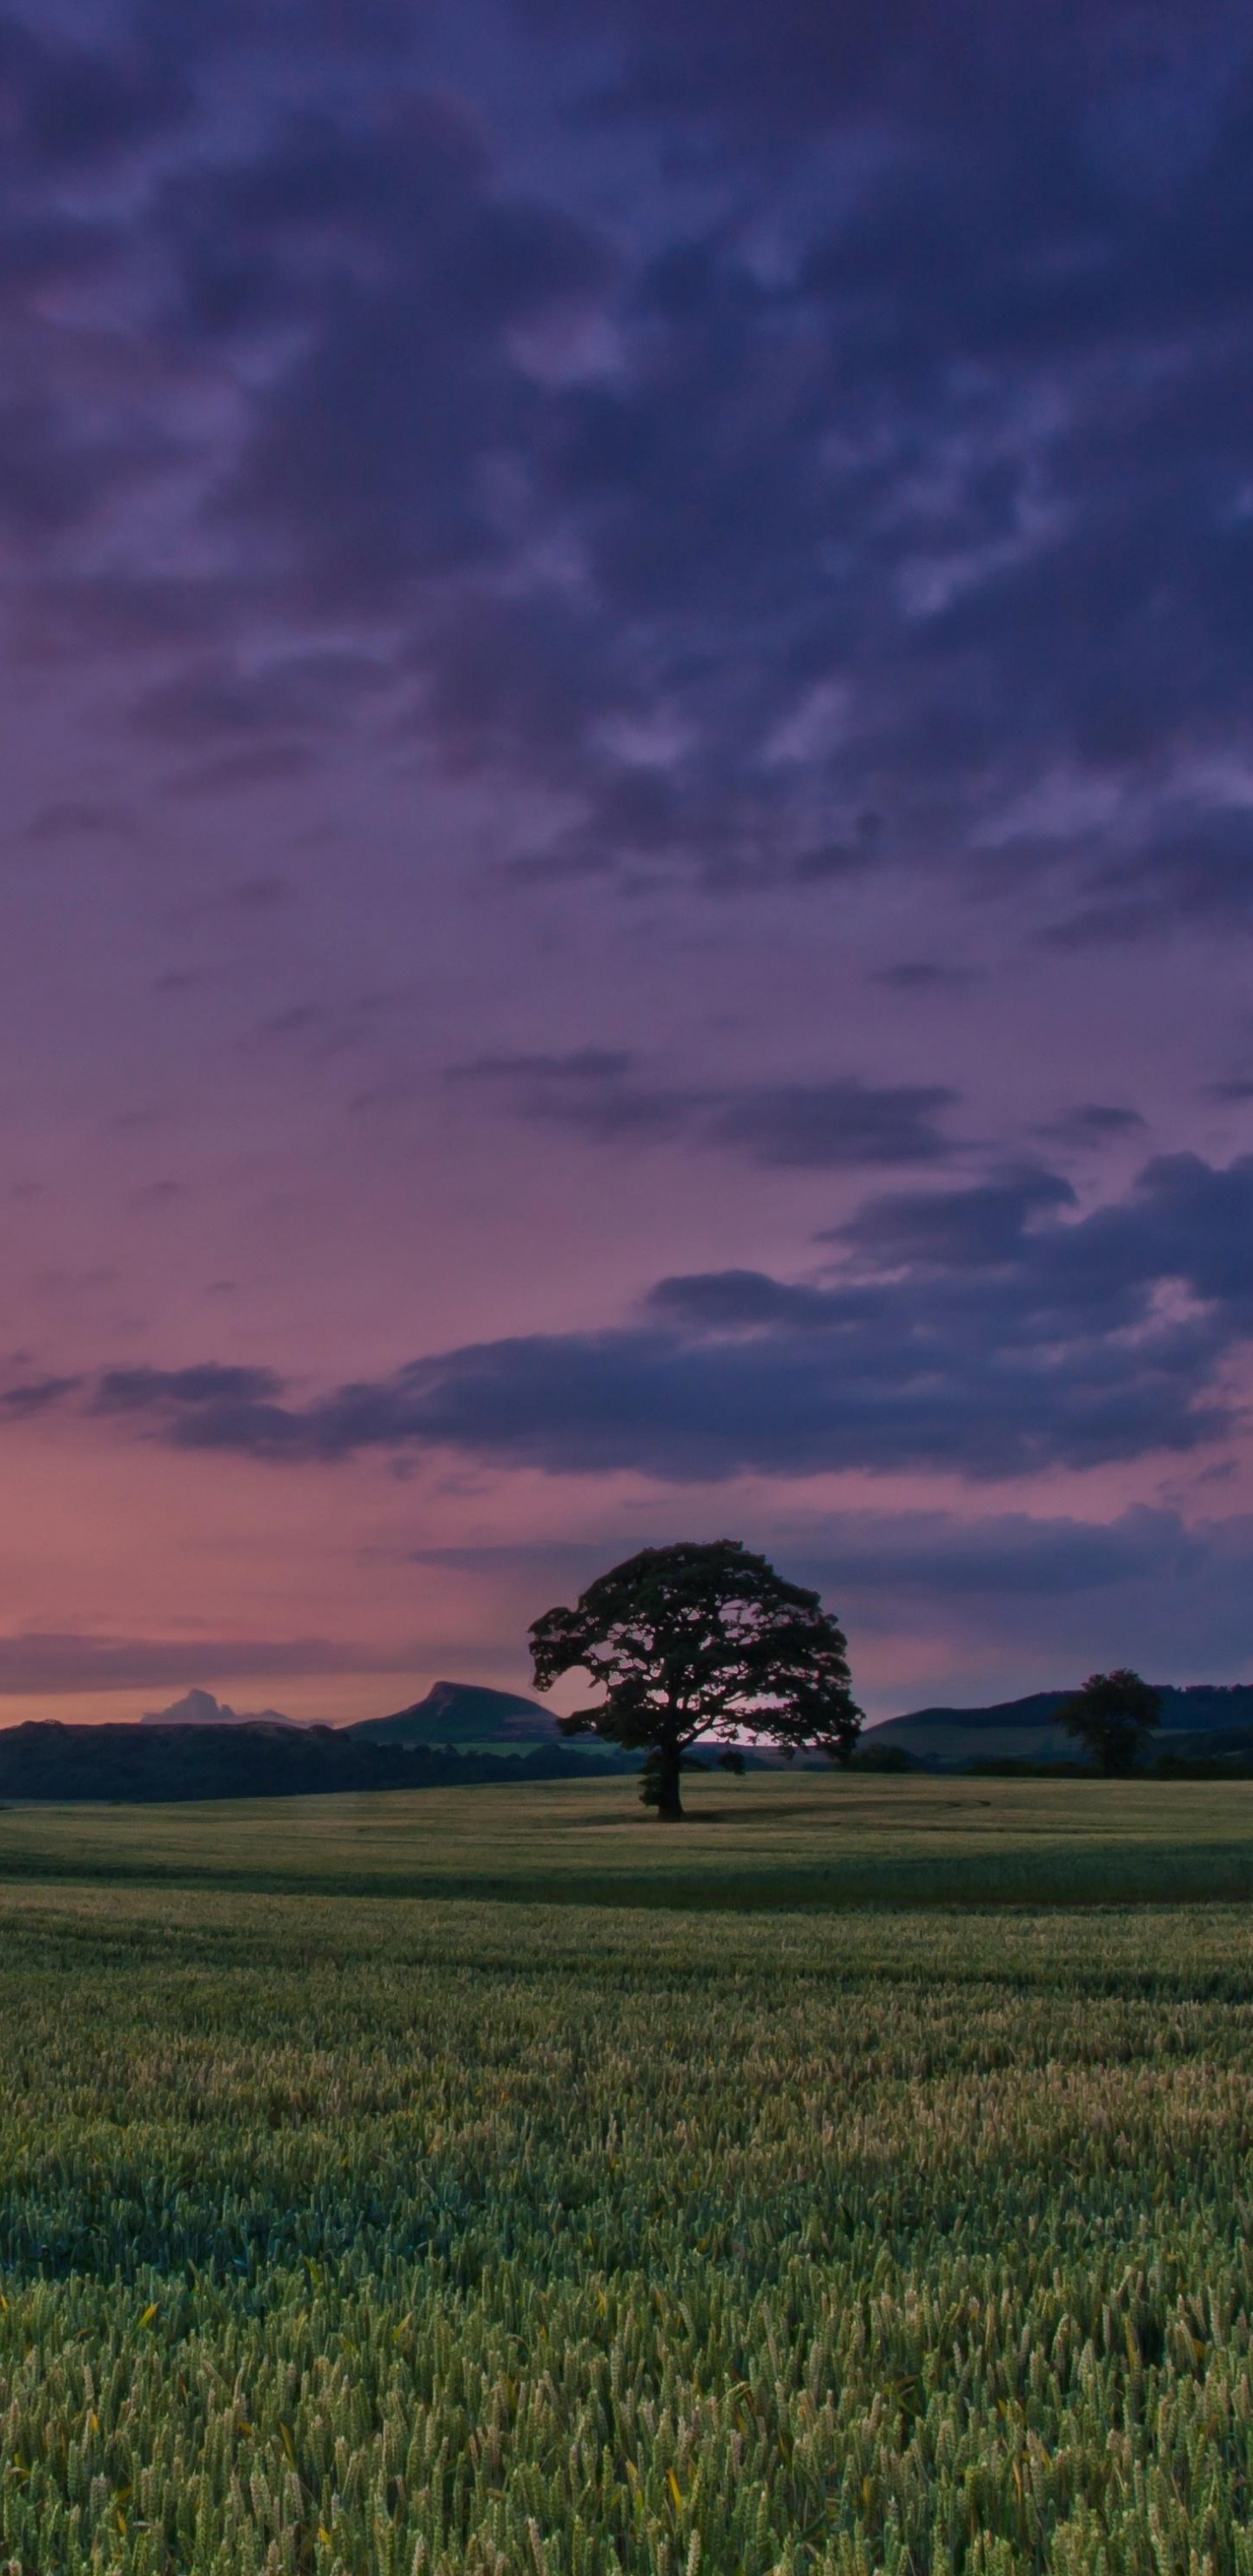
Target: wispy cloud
x=63 y=1663
x=605 y=1093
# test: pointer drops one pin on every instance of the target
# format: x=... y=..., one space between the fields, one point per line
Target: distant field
x=767 y=1841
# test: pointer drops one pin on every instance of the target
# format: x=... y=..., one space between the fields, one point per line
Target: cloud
x=73 y=819
x=888 y=462
x=258 y=895
x=368 y=451
x=954 y=1229
x=992 y=1337
x=923 y=975
x=60 y=1662
x=36 y=1395
x=205 y=1407
x=1008 y=1601
x=214 y=701
x=1019 y=1555
x=817 y=1126
x=74 y=104
x=53 y=469
x=1092 y=1123
x=1021 y=1601
x=936 y=1556
x=827 y=1125
x=594 y=1090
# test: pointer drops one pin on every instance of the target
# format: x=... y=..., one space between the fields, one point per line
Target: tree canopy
x=701 y=1641
x=1112 y=1716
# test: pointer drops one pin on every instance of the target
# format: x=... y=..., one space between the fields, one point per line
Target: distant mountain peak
x=200 y=1708
x=476 y=1695
x=462 y=1713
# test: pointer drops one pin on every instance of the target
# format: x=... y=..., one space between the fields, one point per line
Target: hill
x=1199 y=1719
x=465 y=1714
x=44 y=1759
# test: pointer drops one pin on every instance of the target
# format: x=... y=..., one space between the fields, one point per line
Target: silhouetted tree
x=692 y=1641
x=1112 y=1716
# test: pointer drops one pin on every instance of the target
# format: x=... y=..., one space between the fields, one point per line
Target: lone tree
x=689 y=1641
x=1112 y=1716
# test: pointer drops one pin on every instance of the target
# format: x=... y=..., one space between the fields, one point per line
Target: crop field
x=391 y=2234
x=778 y=1840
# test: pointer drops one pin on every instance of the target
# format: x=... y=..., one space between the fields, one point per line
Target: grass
x=373 y=2234
x=811 y=1840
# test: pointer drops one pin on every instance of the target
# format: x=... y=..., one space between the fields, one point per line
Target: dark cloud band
x=985 y=1332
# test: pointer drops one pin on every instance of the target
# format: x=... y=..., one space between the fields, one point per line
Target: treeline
x=1227 y=1763
x=45 y=1759
x=1213 y=1757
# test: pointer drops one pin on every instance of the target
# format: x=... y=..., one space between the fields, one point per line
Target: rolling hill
x=461 y=1713
x=1197 y=1720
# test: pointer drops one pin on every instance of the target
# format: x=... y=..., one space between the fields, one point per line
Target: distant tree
x=1112 y=1716
x=884 y=1757
x=692 y=1641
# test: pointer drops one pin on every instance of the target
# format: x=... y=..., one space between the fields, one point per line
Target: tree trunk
x=669 y=1802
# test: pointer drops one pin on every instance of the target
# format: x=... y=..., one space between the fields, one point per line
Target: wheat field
x=776 y=1840
x=394 y=2236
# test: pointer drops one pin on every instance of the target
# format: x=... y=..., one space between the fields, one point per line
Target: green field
x=593 y=2225
x=773 y=1840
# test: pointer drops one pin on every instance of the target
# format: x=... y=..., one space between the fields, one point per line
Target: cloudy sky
x=627 y=862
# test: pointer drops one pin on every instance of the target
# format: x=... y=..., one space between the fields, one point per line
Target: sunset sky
x=627 y=833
